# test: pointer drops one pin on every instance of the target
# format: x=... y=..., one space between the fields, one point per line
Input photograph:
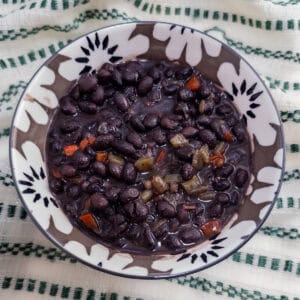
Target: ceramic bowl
x=158 y=41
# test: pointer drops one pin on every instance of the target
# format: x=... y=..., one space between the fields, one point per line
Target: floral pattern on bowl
x=157 y=41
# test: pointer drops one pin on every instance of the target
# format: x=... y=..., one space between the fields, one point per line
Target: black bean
x=135 y=139
x=186 y=94
x=221 y=184
x=182 y=108
x=141 y=210
x=117 y=77
x=173 y=225
x=121 y=102
x=94 y=187
x=98 y=95
x=235 y=198
x=115 y=169
x=166 y=209
x=99 y=168
x=80 y=160
x=69 y=126
x=98 y=201
x=190 y=235
x=75 y=93
x=109 y=92
x=205 y=90
x=231 y=120
x=154 y=95
x=56 y=185
x=159 y=136
x=122 y=243
x=134 y=231
x=208 y=137
x=222 y=198
x=73 y=191
x=187 y=171
x=104 y=75
x=145 y=85
x=130 y=76
x=224 y=110
x=169 y=72
x=189 y=131
x=241 y=177
x=95 y=179
x=203 y=121
x=151 y=120
x=88 y=107
x=184 y=73
x=234 y=157
x=220 y=128
x=155 y=74
x=104 y=141
x=129 y=194
x=67 y=107
x=169 y=122
x=225 y=171
x=137 y=124
x=129 y=173
x=84 y=185
x=87 y=83
x=150 y=239
x=182 y=214
x=239 y=132
x=170 y=89
x=123 y=147
x=56 y=147
x=185 y=152
x=215 y=210
x=90 y=151
x=162 y=230
x=67 y=171
x=112 y=193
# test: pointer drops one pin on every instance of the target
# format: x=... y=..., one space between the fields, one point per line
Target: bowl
x=157 y=41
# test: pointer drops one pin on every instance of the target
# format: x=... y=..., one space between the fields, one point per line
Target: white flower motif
x=252 y=100
x=34 y=101
x=99 y=257
x=180 y=37
x=107 y=45
x=33 y=185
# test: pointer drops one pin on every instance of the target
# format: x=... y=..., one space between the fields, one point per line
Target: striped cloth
x=267 y=34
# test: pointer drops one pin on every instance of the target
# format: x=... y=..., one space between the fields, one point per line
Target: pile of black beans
x=148 y=156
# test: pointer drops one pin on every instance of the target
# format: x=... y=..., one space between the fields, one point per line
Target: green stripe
x=293 y=148
x=284 y=3
x=266 y=53
x=216 y=15
x=57 y=290
x=222 y=289
x=4 y=132
x=49 y=4
x=262 y=261
x=282 y=85
x=24 y=59
x=291 y=175
x=83 y=17
x=6 y=179
x=11 y=92
x=290 y=116
x=281 y=232
x=289 y=202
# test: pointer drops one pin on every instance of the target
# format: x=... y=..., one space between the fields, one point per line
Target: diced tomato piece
x=193 y=84
x=70 y=150
x=89 y=221
x=101 y=156
x=161 y=156
x=211 y=228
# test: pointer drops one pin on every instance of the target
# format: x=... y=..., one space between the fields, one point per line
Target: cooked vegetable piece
x=144 y=164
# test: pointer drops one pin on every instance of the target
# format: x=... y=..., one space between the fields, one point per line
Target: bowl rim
x=158 y=276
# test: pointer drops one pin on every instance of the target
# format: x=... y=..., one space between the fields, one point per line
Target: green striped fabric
x=267 y=34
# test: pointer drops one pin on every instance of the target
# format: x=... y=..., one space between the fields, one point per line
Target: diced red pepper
x=89 y=221
x=161 y=156
x=91 y=140
x=193 y=84
x=101 y=156
x=70 y=150
x=216 y=156
x=56 y=174
x=228 y=137
x=211 y=228
x=83 y=144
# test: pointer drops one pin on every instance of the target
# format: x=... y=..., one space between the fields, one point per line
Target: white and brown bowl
x=156 y=41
